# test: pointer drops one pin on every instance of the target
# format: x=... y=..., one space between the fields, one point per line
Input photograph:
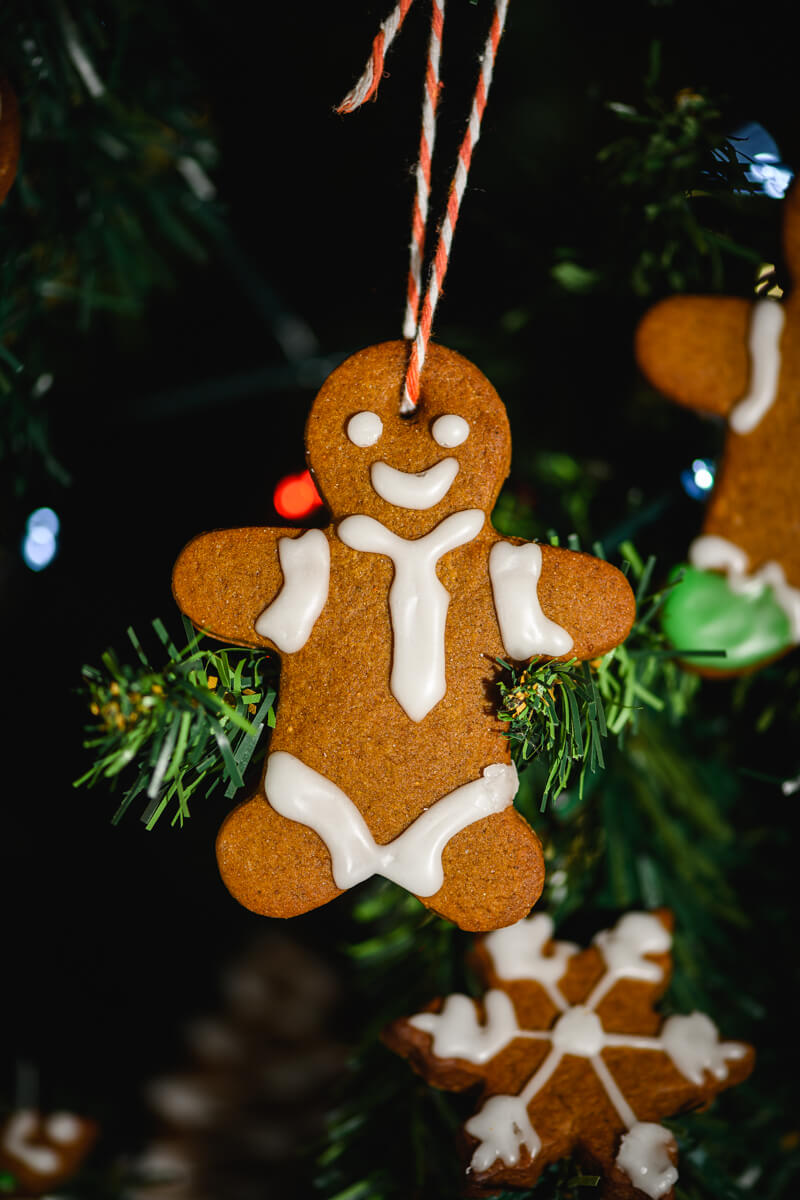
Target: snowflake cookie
x=387 y=756
x=571 y=1057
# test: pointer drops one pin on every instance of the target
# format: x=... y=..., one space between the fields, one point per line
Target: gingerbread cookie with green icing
x=387 y=757
x=740 y=360
x=571 y=1057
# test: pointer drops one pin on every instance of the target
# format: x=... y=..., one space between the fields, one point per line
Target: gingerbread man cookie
x=41 y=1152
x=740 y=360
x=387 y=757
x=571 y=1057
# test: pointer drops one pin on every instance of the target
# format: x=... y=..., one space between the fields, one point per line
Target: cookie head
x=408 y=472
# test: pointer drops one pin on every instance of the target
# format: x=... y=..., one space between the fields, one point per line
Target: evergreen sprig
x=191 y=724
x=111 y=192
x=562 y=712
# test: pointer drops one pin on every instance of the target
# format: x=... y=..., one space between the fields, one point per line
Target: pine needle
x=562 y=712
x=188 y=725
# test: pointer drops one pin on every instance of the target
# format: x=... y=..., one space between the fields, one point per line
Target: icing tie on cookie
x=419 y=491
x=525 y=630
x=766 y=327
x=414 y=859
x=713 y=553
x=306 y=565
x=502 y=1126
x=418 y=602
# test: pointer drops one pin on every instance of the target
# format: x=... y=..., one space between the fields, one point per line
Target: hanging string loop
x=420 y=311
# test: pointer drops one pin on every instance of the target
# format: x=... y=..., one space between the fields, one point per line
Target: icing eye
x=364 y=428
x=450 y=430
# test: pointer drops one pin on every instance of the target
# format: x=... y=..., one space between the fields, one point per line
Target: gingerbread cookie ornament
x=571 y=1057
x=739 y=360
x=387 y=757
x=41 y=1151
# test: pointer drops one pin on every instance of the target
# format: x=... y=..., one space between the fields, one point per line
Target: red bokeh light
x=296 y=496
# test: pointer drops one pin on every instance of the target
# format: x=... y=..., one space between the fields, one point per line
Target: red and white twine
x=419 y=318
x=367 y=85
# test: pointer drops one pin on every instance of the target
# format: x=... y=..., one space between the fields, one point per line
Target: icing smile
x=404 y=489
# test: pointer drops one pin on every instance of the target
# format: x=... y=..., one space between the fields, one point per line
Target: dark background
x=112 y=936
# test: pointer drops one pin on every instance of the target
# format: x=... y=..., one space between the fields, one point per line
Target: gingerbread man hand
x=738 y=360
x=387 y=757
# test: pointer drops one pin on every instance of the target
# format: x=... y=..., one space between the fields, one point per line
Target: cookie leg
x=493 y=873
x=271 y=865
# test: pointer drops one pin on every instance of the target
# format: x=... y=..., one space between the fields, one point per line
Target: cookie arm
x=588 y=597
x=224 y=580
x=694 y=349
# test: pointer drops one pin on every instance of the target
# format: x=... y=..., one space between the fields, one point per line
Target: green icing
x=702 y=613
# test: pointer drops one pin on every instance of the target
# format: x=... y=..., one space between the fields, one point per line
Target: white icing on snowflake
x=693 y=1045
x=457 y=1032
x=644 y=1157
x=517 y=953
x=503 y=1128
x=502 y=1125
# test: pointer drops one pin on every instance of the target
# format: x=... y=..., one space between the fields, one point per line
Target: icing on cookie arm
x=588 y=598
x=226 y=580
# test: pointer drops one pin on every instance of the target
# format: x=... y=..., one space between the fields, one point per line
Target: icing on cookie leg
x=414 y=859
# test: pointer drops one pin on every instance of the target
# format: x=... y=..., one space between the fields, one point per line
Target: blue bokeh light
x=698 y=479
x=40 y=544
x=753 y=145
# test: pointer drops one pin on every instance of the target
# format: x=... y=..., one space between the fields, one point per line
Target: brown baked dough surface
x=336 y=712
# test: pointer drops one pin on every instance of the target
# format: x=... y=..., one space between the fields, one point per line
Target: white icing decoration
x=713 y=553
x=693 y=1045
x=306 y=565
x=414 y=859
x=624 y=947
x=418 y=602
x=404 y=489
x=644 y=1157
x=766 y=327
x=578 y=1031
x=503 y=1128
x=449 y=431
x=63 y=1127
x=457 y=1033
x=364 y=429
x=525 y=630
x=20 y=1128
x=517 y=953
